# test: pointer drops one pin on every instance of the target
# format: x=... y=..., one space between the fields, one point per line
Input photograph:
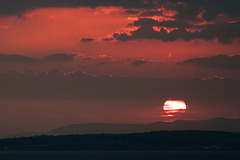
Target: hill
x=216 y=124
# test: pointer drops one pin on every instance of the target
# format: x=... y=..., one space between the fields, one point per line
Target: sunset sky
x=116 y=61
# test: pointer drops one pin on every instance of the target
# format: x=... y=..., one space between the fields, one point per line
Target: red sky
x=175 y=40
x=47 y=31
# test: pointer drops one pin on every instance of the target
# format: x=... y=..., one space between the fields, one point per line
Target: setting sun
x=174 y=106
x=124 y=67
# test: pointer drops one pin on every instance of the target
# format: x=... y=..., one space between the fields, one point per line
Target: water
x=119 y=155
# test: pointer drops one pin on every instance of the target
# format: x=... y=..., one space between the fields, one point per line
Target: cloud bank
x=186 y=9
x=87 y=39
x=220 y=61
x=79 y=85
x=60 y=57
x=17 y=59
x=224 y=32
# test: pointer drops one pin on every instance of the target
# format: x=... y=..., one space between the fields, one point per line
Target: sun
x=174 y=106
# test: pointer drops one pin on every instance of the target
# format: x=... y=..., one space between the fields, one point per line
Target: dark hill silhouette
x=216 y=124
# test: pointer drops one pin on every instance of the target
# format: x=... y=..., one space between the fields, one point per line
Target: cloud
x=87 y=39
x=10 y=7
x=16 y=59
x=189 y=10
x=139 y=62
x=150 y=13
x=186 y=9
x=187 y=13
x=122 y=36
x=79 y=85
x=220 y=61
x=147 y=32
x=225 y=33
x=170 y=23
x=60 y=57
x=26 y=59
x=108 y=39
x=129 y=11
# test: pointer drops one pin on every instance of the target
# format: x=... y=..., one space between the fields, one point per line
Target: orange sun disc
x=174 y=106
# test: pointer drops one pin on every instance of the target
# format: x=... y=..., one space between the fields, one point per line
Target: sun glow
x=174 y=106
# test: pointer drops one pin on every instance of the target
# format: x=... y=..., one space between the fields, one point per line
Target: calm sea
x=119 y=155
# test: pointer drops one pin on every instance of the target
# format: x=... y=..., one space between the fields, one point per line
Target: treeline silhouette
x=150 y=141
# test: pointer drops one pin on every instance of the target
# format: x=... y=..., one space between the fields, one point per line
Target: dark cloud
x=225 y=33
x=26 y=59
x=86 y=58
x=186 y=9
x=139 y=62
x=220 y=61
x=129 y=11
x=87 y=39
x=108 y=39
x=145 y=21
x=16 y=59
x=171 y=24
x=122 y=36
x=9 y=7
x=60 y=57
x=78 y=85
x=147 y=32
x=151 y=13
